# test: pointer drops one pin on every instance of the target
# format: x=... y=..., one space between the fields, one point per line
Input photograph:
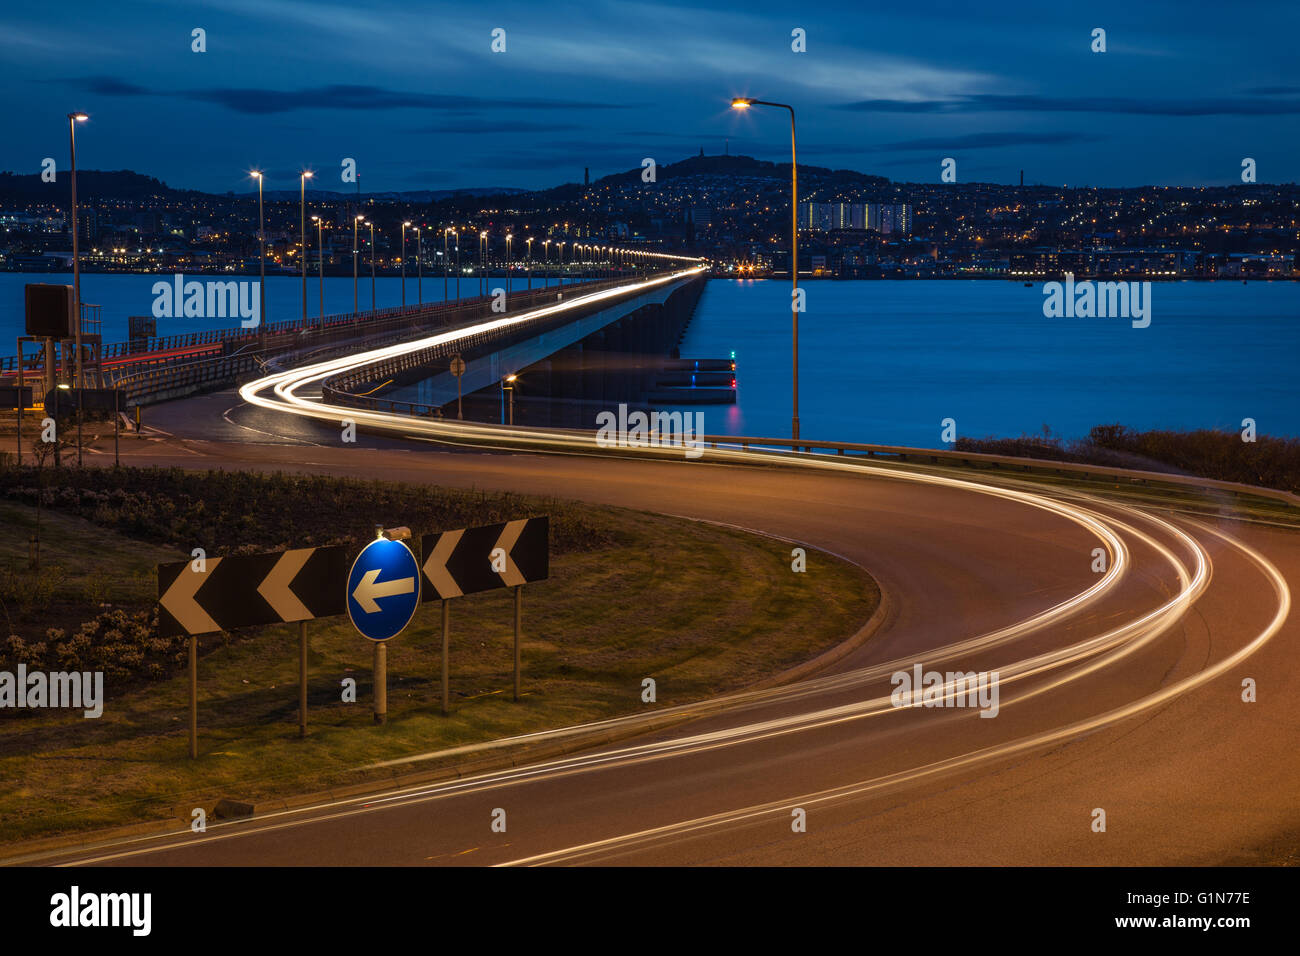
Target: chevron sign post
x=213 y=594
x=216 y=594
x=470 y=560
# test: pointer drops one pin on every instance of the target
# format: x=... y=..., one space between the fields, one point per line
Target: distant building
x=885 y=218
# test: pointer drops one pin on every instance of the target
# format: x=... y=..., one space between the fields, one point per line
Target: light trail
x=1062 y=665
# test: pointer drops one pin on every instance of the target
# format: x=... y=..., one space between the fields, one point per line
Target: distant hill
x=97 y=183
x=124 y=184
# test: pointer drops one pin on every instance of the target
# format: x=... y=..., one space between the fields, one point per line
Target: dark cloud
x=260 y=101
x=998 y=103
x=985 y=141
x=496 y=126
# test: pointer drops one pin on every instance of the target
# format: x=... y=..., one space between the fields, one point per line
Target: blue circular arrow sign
x=383 y=589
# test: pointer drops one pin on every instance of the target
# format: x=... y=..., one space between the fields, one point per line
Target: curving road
x=1119 y=690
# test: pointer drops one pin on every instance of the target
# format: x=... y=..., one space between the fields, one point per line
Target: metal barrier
x=165 y=377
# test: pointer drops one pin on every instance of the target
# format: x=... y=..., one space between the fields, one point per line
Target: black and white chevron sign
x=480 y=559
x=271 y=588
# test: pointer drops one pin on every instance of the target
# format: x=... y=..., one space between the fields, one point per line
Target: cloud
x=262 y=101
x=985 y=141
x=999 y=103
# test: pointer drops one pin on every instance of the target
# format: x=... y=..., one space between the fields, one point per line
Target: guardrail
x=112 y=351
x=165 y=377
x=903 y=453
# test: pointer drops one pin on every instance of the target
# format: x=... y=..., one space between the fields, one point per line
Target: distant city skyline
x=413 y=92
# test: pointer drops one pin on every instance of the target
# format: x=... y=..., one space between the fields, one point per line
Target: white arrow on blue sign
x=383 y=589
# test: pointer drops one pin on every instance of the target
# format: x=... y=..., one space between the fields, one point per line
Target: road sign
x=91 y=399
x=383 y=589
x=10 y=397
x=457 y=366
x=480 y=559
x=215 y=594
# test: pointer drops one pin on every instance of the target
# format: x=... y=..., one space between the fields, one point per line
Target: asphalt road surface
x=1118 y=691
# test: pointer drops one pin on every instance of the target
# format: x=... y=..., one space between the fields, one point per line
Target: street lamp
x=355 y=306
x=508 y=238
x=372 y=265
x=302 y=209
x=419 y=266
x=320 y=264
x=404 y=225
x=546 y=263
x=261 y=249
x=744 y=103
x=529 y=267
x=457 y=235
x=508 y=385
x=446 y=263
x=73 y=120
x=560 y=276
x=482 y=249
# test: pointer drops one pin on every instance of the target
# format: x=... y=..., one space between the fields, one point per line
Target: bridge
x=639 y=306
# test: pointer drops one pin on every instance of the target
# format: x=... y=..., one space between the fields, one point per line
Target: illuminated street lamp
x=404 y=225
x=419 y=266
x=508 y=386
x=261 y=248
x=546 y=263
x=320 y=265
x=529 y=267
x=744 y=103
x=372 y=265
x=446 y=263
x=302 y=209
x=482 y=254
x=508 y=238
x=73 y=120
x=355 y=306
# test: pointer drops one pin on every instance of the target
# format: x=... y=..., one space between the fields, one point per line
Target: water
x=127 y=294
x=887 y=361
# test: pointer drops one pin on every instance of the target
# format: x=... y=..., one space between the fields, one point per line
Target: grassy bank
x=698 y=608
x=1219 y=455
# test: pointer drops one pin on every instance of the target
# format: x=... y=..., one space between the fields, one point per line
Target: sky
x=414 y=93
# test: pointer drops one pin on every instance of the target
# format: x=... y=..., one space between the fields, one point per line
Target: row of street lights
x=608 y=256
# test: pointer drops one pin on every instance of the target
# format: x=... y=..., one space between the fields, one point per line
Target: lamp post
x=419 y=266
x=320 y=264
x=261 y=249
x=446 y=263
x=302 y=210
x=508 y=238
x=372 y=265
x=482 y=249
x=355 y=306
x=73 y=120
x=559 y=278
x=457 y=235
x=529 y=267
x=546 y=263
x=404 y=225
x=743 y=103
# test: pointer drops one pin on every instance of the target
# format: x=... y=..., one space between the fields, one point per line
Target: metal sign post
x=385 y=571
x=446 y=640
x=302 y=678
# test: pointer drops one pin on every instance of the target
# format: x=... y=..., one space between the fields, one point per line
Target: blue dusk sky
x=414 y=93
